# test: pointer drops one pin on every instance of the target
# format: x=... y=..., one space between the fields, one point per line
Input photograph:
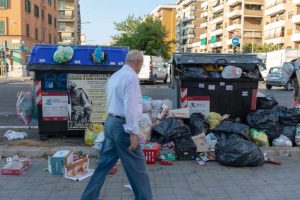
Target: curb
x=40 y=152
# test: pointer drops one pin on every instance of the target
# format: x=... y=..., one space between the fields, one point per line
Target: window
x=43 y=15
x=27 y=30
x=43 y=36
x=36 y=34
x=62 y=15
x=54 y=4
x=54 y=22
x=28 y=6
x=62 y=26
x=253 y=7
x=50 y=2
x=36 y=11
x=3 y=3
x=49 y=19
x=50 y=39
x=2 y=27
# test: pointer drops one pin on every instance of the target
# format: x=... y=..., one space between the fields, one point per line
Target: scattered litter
x=79 y=169
x=16 y=166
x=113 y=170
x=128 y=187
x=271 y=160
x=24 y=107
x=166 y=162
x=91 y=133
x=297 y=136
x=282 y=141
x=259 y=137
x=59 y=161
x=145 y=126
x=211 y=141
x=98 y=142
x=13 y=135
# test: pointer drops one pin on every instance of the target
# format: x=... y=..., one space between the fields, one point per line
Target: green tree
x=145 y=35
x=257 y=48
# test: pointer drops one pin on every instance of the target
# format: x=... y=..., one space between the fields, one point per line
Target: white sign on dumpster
x=199 y=104
x=55 y=106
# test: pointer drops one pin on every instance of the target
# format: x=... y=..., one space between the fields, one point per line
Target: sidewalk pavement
x=186 y=180
x=14 y=79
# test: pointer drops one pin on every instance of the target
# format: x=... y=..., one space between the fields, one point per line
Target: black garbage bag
x=196 y=123
x=253 y=74
x=286 y=116
x=227 y=126
x=234 y=150
x=266 y=102
x=195 y=72
x=262 y=119
x=168 y=130
x=273 y=132
x=290 y=132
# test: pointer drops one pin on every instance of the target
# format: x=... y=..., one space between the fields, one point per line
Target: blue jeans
x=115 y=146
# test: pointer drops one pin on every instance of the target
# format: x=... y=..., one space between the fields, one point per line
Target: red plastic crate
x=151 y=153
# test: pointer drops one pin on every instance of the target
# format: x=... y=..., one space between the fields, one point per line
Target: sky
x=104 y=13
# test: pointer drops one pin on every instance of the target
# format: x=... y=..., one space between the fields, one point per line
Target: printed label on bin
x=245 y=93
x=201 y=85
x=198 y=104
x=55 y=106
x=112 y=63
x=77 y=62
x=87 y=100
x=222 y=83
x=229 y=87
x=42 y=60
x=211 y=87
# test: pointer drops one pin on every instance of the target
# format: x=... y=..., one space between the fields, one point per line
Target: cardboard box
x=59 y=161
x=79 y=169
x=16 y=167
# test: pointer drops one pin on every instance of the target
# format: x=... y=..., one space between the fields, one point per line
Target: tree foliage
x=257 y=48
x=148 y=35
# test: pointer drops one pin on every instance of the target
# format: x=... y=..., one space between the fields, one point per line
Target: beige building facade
x=69 y=22
x=188 y=21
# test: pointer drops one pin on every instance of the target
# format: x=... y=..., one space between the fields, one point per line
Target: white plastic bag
x=211 y=141
x=282 y=141
x=24 y=107
x=145 y=126
x=160 y=108
x=13 y=135
x=232 y=72
x=98 y=142
x=146 y=101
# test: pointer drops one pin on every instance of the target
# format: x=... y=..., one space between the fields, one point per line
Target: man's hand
x=133 y=142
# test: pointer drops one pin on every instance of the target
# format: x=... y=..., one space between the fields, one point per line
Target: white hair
x=134 y=56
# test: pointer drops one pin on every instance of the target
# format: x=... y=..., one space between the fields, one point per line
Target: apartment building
x=167 y=15
x=282 y=23
x=188 y=29
x=224 y=20
x=22 y=24
x=69 y=22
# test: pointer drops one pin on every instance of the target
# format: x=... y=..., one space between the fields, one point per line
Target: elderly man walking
x=121 y=132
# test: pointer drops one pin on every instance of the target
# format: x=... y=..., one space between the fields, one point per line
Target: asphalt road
x=8 y=92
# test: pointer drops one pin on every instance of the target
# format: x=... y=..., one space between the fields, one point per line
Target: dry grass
x=32 y=143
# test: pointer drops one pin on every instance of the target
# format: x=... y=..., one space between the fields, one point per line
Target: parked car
x=154 y=69
x=281 y=76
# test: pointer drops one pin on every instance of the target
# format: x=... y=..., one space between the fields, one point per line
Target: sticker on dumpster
x=54 y=106
x=222 y=83
x=198 y=104
x=87 y=100
x=211 y=87
x=245 y=93
x=201 y=85
x=229 y=87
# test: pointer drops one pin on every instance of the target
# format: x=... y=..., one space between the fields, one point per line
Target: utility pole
x=4 y=63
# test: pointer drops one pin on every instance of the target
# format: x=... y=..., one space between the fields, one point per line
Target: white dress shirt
x=124 y=98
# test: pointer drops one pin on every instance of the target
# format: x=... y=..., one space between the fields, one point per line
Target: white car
x=154 y=69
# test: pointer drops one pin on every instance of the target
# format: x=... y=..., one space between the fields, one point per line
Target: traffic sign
x=235 y=41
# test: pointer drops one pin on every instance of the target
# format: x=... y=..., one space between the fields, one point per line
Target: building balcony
x=188 y=18
x=296 y=19
x=63 y=8
x=66 y=18
x=178 y=23
x=218 y=8
x=189 y=36
x=190 y=26
x=253 y=13
x=217 y=20
x=67 y=30
x=204 y=14
x=296 y=37
x=215 y=45
x=190 y=8
x=217 y=32
x=275 y=9
x=202 y=47
x=188 y=2
x=234 y=14
x=296 y=2
x=203 y=36
x=273 y=25
x=234 y=27
x=203 y=25
x=279 y=40
x=204 y=4
x=234 y=2
x=229 y=42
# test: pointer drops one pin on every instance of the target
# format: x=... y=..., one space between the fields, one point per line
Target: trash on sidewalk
x=16 y=166
x=24 y=107
x=91 y=133
x=128 y=187
x=113 y=170
x=78 y=170
x=13 y=135
x=166 y=162
x=282 y=141
x=145 y=126
x=151 y=150
x=297 y=136
x=199 y=141
x=98 y=142
x=259 y=137
x=271 y=160
x=179 y=113
x=266 y=102
x=59 y=161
